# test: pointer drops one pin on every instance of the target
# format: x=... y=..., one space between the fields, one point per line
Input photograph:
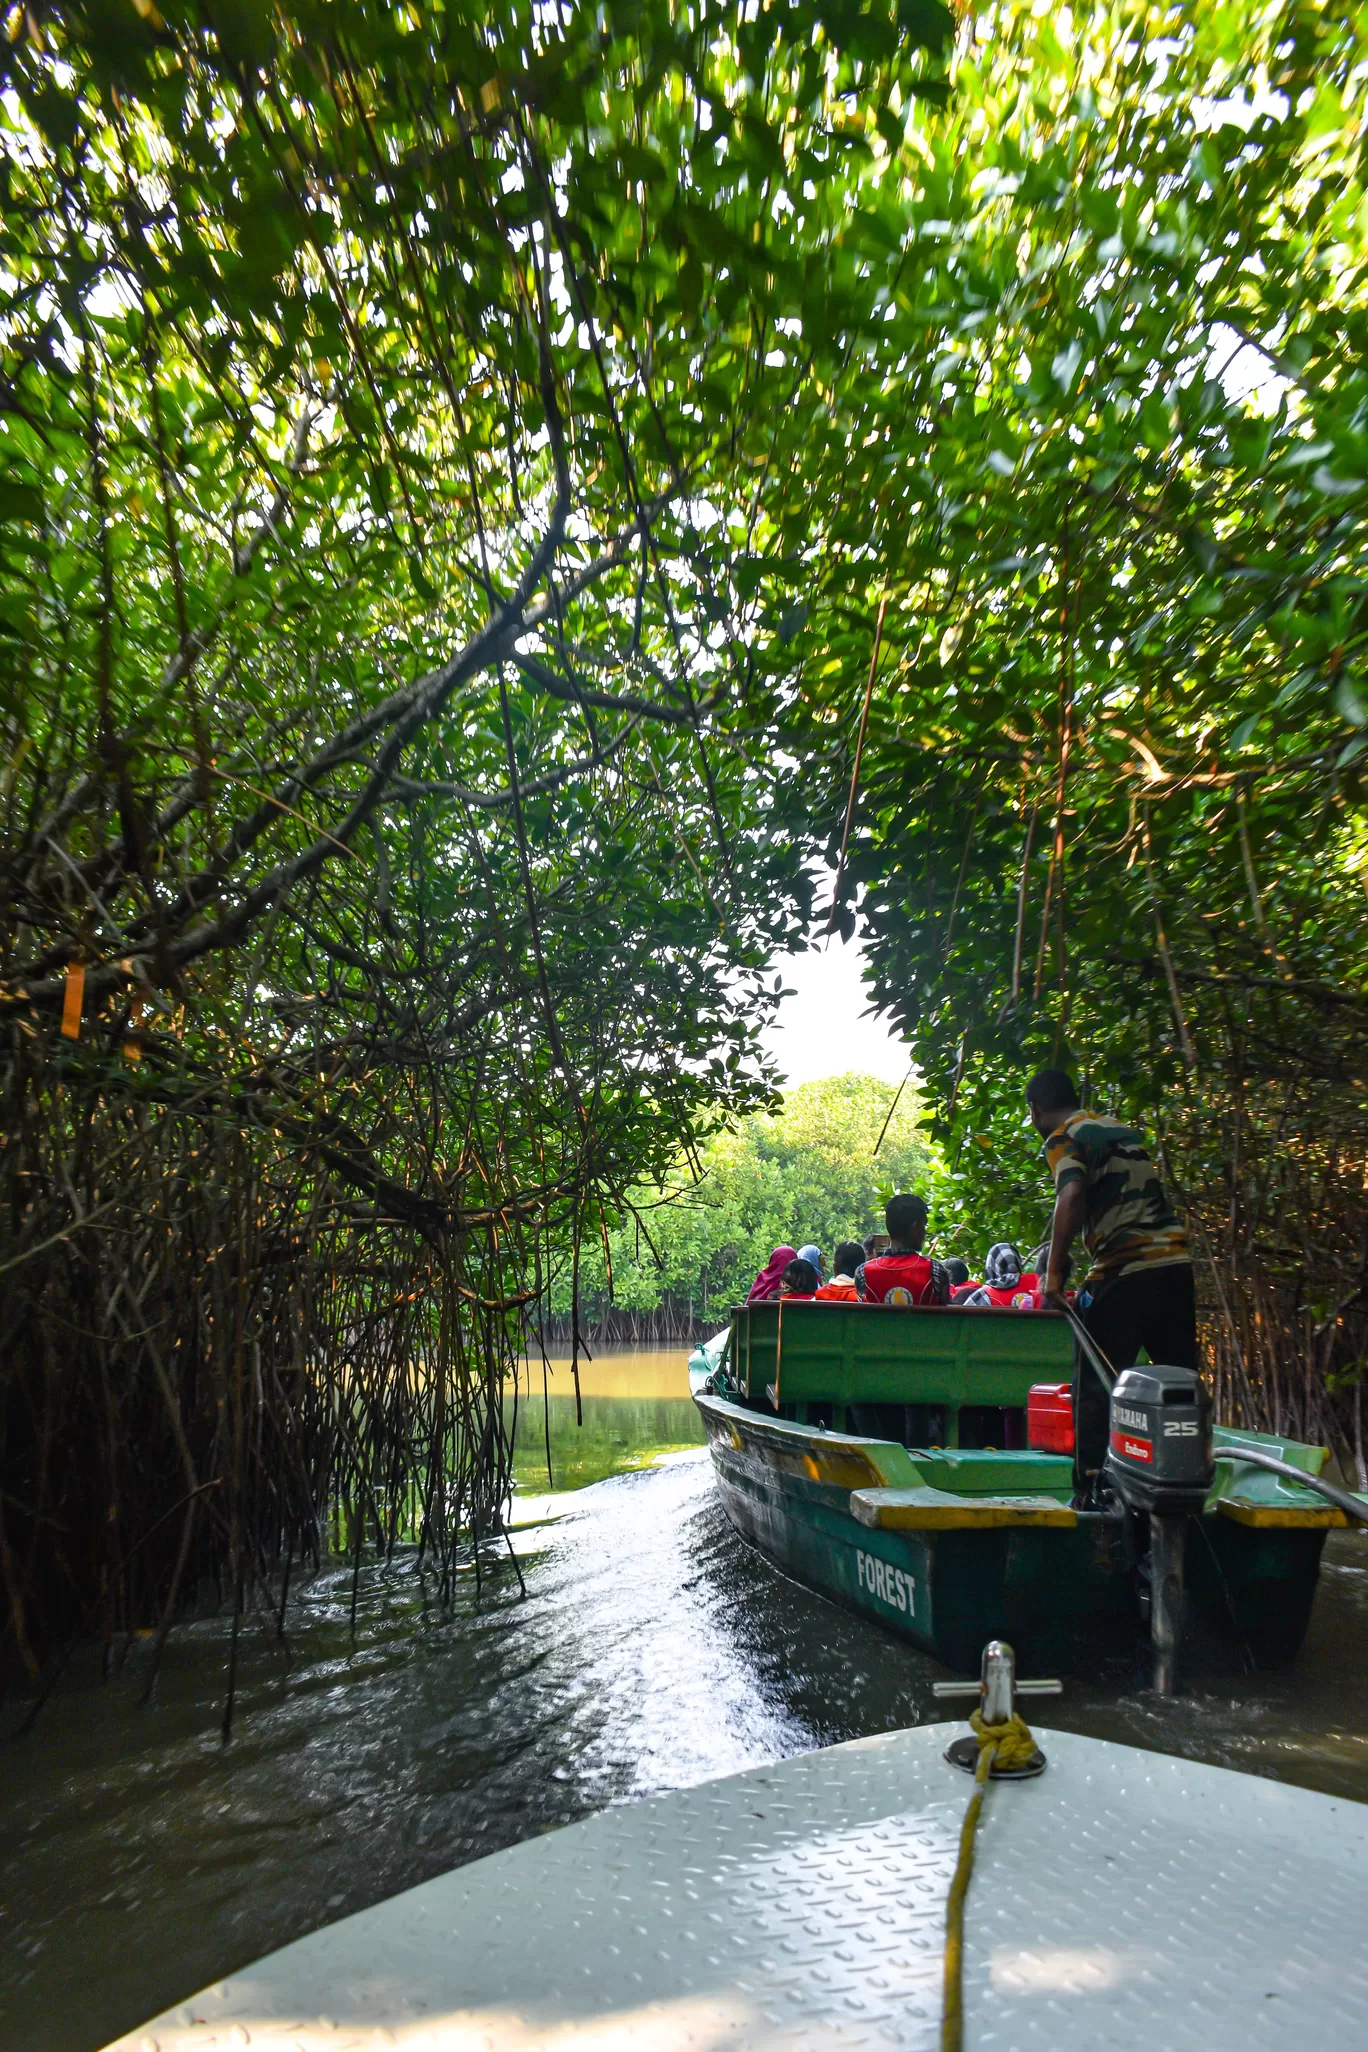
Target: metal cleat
x=997 y=1689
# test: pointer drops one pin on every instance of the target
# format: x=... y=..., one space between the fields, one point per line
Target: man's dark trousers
x=1155 y=1310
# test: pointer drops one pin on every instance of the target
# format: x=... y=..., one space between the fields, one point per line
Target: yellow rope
x=1015 y=1746
x=1009 y=1746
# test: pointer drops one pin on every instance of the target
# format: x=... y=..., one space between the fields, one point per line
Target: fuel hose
x=1102 y=1367
x=1253 y=1457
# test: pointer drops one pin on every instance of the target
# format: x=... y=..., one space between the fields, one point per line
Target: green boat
x=880 y=1455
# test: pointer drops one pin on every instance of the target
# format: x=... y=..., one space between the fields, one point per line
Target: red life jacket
x=1034 y=1300
x=1024 y=1284
x=898 y=1279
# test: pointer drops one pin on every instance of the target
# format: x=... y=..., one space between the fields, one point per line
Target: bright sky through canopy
x=821 y=1030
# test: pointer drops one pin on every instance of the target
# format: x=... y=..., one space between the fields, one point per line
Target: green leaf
x=1349 y=703
x=1326 y=480
x=1156 y=421
x=926 y=23
x=20 y=502
x=245 y=31
x=56 y=114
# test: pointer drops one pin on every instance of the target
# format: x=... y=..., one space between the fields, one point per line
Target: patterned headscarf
x=1002 y=1267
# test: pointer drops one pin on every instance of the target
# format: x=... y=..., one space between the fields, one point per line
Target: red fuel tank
x=1049 y=1418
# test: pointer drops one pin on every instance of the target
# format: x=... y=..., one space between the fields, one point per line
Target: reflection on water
x=139 y=1860
x=661 y=1372
x=634 y=1405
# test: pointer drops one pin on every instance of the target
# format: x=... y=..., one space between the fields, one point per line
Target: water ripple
x=653 y=1650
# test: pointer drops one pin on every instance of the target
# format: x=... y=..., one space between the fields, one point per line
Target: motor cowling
x=1159 y=1457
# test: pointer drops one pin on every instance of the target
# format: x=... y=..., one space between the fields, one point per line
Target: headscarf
x=1002 y=1267
x=813 y=1255
x=766 y=1284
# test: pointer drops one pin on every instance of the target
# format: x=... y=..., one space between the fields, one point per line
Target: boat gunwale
x=802 y=1305
x=1253 y=1502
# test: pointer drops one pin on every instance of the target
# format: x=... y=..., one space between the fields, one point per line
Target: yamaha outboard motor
x=1159 y=1461
x=1159 y=1458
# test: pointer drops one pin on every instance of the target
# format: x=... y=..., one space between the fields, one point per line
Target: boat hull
x=1122 y=1899
x=948 y=1591
x=1054 y=1582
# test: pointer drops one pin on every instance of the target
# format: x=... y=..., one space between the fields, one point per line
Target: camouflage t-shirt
x=1129 y=1225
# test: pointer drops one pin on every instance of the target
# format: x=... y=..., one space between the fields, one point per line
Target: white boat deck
x=1123 y=1900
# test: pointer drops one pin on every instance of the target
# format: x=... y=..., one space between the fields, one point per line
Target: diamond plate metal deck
x=1124 y=1900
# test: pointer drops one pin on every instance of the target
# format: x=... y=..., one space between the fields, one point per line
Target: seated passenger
x=1029 y=1296
x=799 y=1279
x=813 y=1255
x=962 y=1284
x=849 y=1259
x=875 y=1243
x=904 y=1275
x=766 y=1284
x=1005 y=1283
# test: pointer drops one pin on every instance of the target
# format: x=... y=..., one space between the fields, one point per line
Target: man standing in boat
x=1139 y=1290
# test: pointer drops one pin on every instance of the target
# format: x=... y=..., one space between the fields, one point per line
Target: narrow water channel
x=140 y=1859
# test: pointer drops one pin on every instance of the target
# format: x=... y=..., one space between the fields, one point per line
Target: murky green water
x=139 y=1859
x=634 y=1405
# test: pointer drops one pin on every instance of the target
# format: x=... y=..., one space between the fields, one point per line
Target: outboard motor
x=1159 y=1458
x=1159 y=1461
